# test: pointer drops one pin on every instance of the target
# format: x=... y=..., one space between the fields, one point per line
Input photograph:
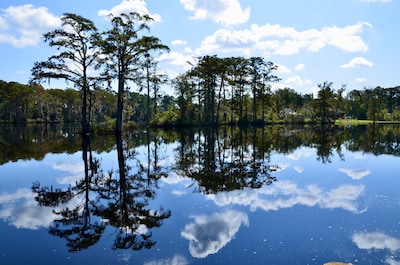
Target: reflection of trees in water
x=123 y=202
x=76 y=224
x=119 y=200
x=376 y=139
x=327 y=139
x=222 y=160
x=34 y=142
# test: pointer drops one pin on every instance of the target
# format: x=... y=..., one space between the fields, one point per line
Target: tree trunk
x=120 y=104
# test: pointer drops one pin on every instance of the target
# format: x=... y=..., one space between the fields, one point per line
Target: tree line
x=22 y=103
x=231 y=90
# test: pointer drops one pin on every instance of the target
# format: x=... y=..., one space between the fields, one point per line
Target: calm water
x=273 y=195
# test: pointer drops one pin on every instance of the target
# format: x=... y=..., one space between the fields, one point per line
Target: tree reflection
x=124 y=202
x=98 y=200
x=374 y=139
x=328 y=139
x=75 y=224
x=219 y=161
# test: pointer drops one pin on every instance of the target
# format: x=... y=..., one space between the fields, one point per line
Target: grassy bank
x=346 y=122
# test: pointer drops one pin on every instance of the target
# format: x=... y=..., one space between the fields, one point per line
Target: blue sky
x=352 y=42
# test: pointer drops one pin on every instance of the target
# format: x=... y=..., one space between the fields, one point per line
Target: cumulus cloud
x=298 y=81
x=286 y=194
x=282 y=69
x=24 y=25
x=361 y=80
x=355 y=173
x=299 y=67
x=280 y=40
x=208 y=234
x=127 y=6
x=179 y=42
x=227 y=12
x=358 y=62
x=177 y=59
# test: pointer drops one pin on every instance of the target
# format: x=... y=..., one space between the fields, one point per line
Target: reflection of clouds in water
x=378 y=241
x=359 y=155
x=298 y=169
x=76 y=171
x=21 y=210
x=208 y=234
x=355 y=173
x=174 y=178
x=281 y=167
x=287 y=194
x=178 y=192
x=296 y=155
x=126 y=256
x=391 y=261
x=175 y=260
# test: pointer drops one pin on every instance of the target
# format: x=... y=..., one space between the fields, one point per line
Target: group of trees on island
x=215 y=90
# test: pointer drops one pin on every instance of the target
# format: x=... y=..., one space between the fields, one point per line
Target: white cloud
x=376 y=240
x=224 y=40
x=361 y=80
x=177 y=59
x=227 y=12
x=296 y=80
x=283 y=69
x=286 y=194
x=355 y=173
x=208 y=234
x=127 y=6
x=24 y=25
x=358 y=62
x=299 y=67
x=179 y=42
x=276 y=39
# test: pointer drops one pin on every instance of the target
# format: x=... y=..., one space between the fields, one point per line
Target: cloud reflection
x=21 y=210
x=208 y=234
x=378 y=241
x=287 y=194
x=296 y=155
x=175 y=260
x=75 y=172
x=356 y=174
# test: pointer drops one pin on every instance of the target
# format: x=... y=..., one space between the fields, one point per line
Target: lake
x=227 y=195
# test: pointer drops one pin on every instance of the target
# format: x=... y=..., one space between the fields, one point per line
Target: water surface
x=272 y=195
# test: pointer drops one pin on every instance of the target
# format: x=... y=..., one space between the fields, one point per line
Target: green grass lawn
x=361 y=122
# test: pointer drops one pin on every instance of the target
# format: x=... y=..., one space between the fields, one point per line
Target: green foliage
x=215 y=90
x=166 y=118
x=76 y=54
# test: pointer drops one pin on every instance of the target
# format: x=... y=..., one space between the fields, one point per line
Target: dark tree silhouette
x=76 y=42
x=76 y=225
x=123 y=201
